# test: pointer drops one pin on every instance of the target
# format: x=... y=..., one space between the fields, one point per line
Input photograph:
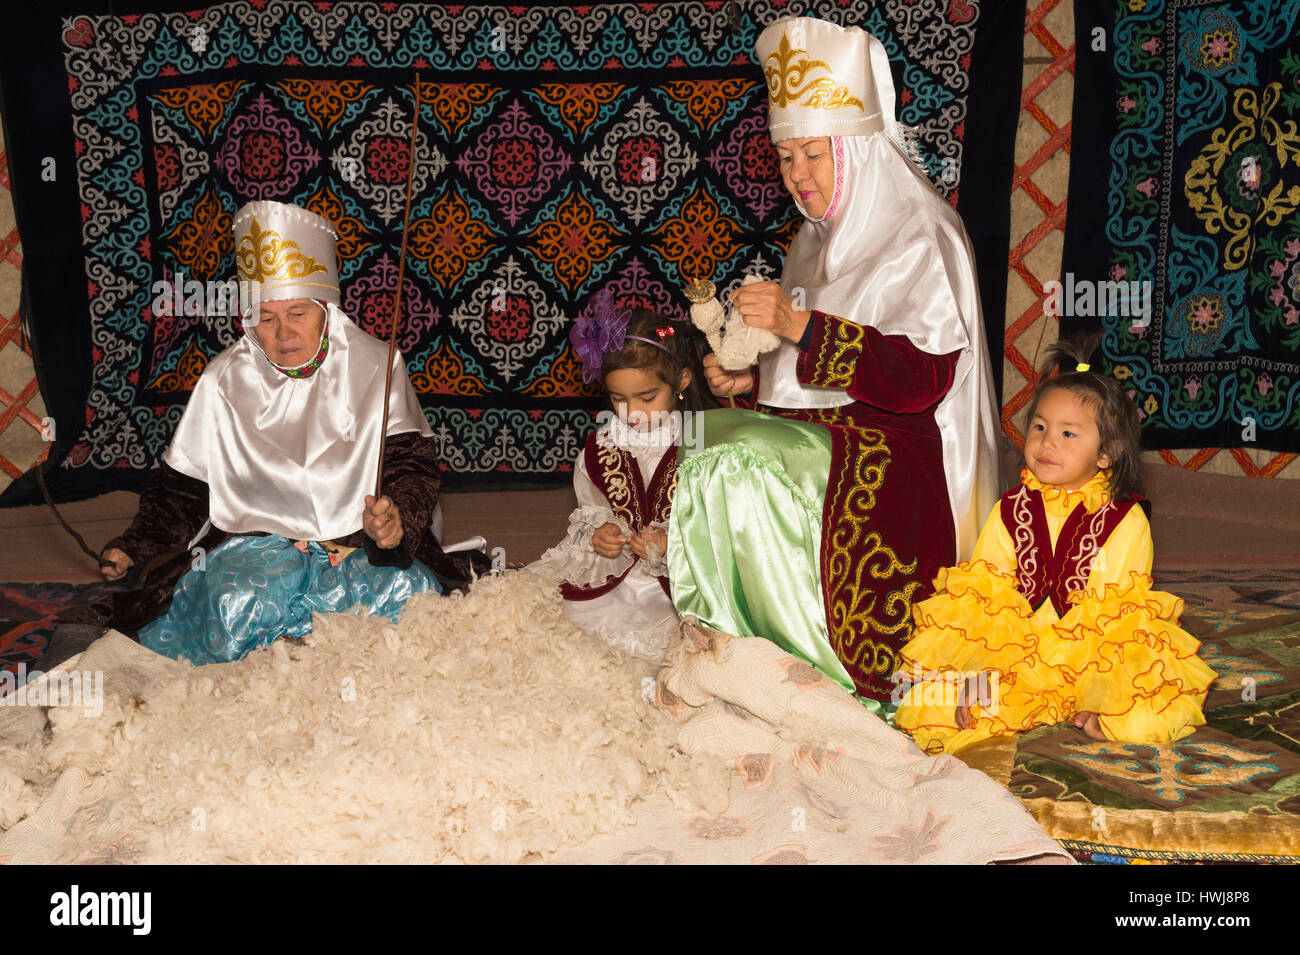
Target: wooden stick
x=81 y=541
x=397 y=298
x=144 y=572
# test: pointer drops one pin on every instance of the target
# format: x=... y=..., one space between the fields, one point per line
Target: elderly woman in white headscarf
x=820 y=527
x=261 y=511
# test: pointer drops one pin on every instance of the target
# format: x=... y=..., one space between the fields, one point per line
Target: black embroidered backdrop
x=562 y=149
x=1187 y=250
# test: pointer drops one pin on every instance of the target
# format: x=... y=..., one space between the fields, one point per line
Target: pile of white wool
x=480 y=728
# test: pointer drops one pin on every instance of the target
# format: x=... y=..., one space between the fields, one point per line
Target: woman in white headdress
x=821 y=537
x=264 y=487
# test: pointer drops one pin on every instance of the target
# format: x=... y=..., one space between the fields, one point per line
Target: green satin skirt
x=744 y=542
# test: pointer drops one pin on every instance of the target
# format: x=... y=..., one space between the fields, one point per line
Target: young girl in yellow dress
x=1053 y=619
x=611 y=567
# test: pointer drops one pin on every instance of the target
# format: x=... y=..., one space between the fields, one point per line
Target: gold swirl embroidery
x=1023 y=536
x=786 y=71
x=856 y=616
x=618 y=489
x=839 y=355
x=664 y=499
x=263 y=256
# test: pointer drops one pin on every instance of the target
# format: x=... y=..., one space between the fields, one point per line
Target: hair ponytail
x=1117 y=416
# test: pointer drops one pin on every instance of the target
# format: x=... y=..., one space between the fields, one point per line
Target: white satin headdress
x=286 y=252
x=846 y=89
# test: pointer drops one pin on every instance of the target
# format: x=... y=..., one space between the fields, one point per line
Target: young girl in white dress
x=611 y=566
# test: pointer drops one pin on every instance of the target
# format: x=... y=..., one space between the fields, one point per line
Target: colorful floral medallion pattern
x=560 y=150
x=1203 y=197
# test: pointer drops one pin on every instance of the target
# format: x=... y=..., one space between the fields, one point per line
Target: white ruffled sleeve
x=573 y=560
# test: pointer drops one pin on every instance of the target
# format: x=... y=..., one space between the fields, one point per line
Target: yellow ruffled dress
x=1117 y=652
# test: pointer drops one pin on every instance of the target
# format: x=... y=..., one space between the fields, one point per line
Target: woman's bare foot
x=1090 y=724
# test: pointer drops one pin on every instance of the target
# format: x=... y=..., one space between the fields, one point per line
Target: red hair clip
x=664 y=332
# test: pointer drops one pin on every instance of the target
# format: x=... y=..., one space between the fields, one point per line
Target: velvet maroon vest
x=1047 y=573
x=616 y=476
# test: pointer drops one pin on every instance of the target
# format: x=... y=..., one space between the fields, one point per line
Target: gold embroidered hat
x=286 y=252
x=819 y=80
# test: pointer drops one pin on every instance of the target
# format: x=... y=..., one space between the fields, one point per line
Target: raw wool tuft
x=20 y=794
x=736 y=344
x=481 y=728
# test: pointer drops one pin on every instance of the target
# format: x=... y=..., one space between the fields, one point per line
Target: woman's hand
x=764 y=305
x=608 y=540
x=650 y=535
x=723 y=383
x=115 y=564
x=382 y=522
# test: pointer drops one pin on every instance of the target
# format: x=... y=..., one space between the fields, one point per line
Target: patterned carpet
x=1226 y=794
x=28 y=612
x=1228 y=597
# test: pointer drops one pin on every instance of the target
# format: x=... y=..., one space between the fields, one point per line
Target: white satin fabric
x=293 y=456
x=896 y=257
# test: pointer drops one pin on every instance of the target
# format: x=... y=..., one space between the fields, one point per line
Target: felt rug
x=29 y=611
x=563 y=149
x=1221 y=597
x=1226 y=794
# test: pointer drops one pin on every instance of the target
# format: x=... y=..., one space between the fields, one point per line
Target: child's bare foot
x=1090 y=724
x=969 y=696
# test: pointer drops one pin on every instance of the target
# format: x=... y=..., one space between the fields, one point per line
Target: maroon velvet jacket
x=174 y=507
x=634 y=502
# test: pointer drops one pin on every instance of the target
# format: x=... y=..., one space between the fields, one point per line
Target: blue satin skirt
x=253 y=590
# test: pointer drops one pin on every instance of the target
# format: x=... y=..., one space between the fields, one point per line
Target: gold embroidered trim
x=839 y=354
x=618 y=490
x=786 y=76
x=664 y=499
x=855 y=620
x=263 y=256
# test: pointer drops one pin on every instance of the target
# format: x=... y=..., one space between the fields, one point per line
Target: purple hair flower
x=585 y=338
x=597 y=334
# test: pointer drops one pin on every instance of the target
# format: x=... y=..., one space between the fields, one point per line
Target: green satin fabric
x=744 y=541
